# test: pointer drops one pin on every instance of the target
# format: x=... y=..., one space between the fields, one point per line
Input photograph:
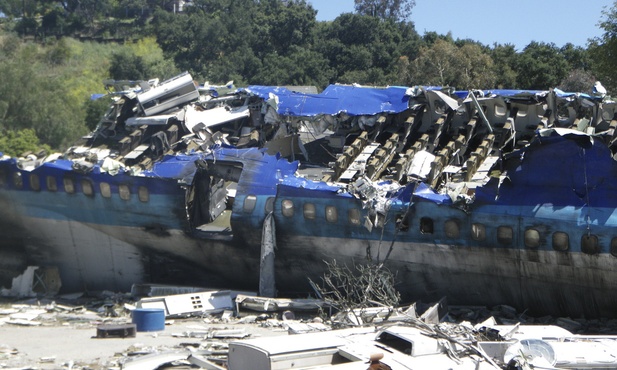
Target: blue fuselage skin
x=538 y=238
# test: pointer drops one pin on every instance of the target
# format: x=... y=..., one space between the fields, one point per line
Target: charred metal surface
x=489 y=197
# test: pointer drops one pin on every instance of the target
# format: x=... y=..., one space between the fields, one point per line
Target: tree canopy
x=397 y=10
x=603 y=50
x=54 y=54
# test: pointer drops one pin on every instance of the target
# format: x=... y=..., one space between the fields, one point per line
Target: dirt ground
x=64 y=334
x=65 y=337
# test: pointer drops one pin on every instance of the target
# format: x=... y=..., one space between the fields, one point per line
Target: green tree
x=54 y=23
x=435 y=65
x=540 y=66
x=44 y=92
x=95 y=109
x=58 y=53
x=476 y=68
x=504 y=58
x=87 y=9
x=290 y=23
x=151 y=55
x=576 y=56
x=12 y=8
x=445 y=64
x=223 y=40
x=603 y=50
x=17 y=143
x=431 y=38
x=125 y=65
x=301 y=67
x=397 y=10
x=578 y=80
x=353 y=55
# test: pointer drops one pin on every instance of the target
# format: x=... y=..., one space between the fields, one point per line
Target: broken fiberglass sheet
x=510 y=93
x=295 y=186
x=562 y=169
x=335 y=99
x=426 y=192
x=565 y=94
x=174 y=167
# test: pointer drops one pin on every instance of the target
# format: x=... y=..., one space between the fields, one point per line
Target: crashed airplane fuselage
x=486 y=197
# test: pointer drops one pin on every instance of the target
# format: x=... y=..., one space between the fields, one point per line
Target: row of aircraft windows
x=308 y=210
x=87 y=186
x=560 y=240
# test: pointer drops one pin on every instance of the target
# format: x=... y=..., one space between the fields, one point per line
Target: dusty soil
x=50 y=336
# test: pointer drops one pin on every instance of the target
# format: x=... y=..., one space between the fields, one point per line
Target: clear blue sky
x=506 y=22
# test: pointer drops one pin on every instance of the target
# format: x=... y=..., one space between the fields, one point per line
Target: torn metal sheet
x=213 y=117
x=421 y=165
x=191 y=303
x=452 y=103
x=228 y=333
x=161 y=120
x=168 y=94
x=396 y=176
x=303 y=328
x=204 y=363
x=34 y=281
x=265 y=304
x=267 y=283
x=22 y=284
x=435 y=313
x=335 y=99
x=154 y=360
x=157 y=290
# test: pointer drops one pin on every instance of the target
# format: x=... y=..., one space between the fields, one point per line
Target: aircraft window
x=269 y=205
x=309 y=211
x=614 y=247
x=440 y=107
x=331 y=214
x=105 y=189
x=249 y=203
x=353 y=215
x=287 y=208
x=86 y=187
x=590 y=244
x=522 y=112
x=69 y=186
x=608 y=114
x=532 y=238
x=505 y=235
x=478 y=232
x=51 y=183
x=395 y=342
x=18 y=181
x=451 y=228
x=143 y=194
x=35 y=183
x=402 y=222
x=426 y=225
x=561 y=241
x=124 y=191
x=500 y=110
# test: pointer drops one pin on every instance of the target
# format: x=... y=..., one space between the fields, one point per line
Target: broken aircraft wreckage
x=486 y=197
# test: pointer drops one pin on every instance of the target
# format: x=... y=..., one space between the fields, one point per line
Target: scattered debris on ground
x=205 y=336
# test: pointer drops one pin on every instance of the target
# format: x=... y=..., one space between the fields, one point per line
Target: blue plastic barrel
x=149 y=319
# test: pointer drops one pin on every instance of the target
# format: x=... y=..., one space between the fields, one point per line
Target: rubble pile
x=201 y=340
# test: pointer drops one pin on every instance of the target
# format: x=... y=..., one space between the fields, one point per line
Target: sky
x=516 y=22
